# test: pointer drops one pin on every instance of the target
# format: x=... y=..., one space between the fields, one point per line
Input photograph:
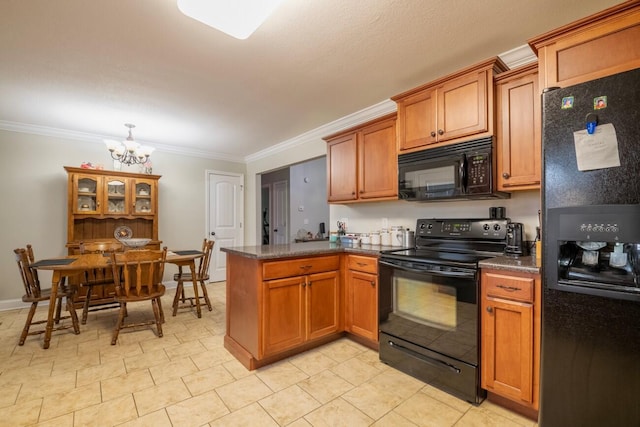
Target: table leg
x=52 y=306
x=192 y=267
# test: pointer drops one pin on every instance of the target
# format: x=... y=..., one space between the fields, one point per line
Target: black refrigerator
x=590 y=364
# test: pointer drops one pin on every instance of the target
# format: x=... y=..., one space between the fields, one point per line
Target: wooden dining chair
x=138 y=277
x=35 y=294
x=202 y=277
x=102 y=277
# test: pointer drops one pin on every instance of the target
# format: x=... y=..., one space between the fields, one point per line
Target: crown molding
x=518 y=56
x=97 y=139
x=378 y=110
x=513 y=58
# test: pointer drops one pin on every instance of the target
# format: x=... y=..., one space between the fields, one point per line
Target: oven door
x=429 y=324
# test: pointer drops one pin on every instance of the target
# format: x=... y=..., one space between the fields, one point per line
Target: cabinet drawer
x=299 y=267
x=509 y=287
x=365 y=264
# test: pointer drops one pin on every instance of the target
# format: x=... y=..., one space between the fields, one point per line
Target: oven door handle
x=430 y=360
x=465 y=274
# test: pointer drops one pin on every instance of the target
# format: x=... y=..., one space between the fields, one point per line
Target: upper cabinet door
x=462 y=106
x=417 y=120
x=144 y=196
x=378 y=161
x=518 y=131
x=341 y=164
x=86 y=194
x=116 y=196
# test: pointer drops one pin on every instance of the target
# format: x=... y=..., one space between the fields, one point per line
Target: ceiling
x=88 y=67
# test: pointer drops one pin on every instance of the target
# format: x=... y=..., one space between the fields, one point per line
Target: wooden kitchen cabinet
x=362 y=163
x=361 y=302
x=518 y=136
x=299 y=309
x=99 y=201
x=510 y=336
x=599 y=45
x=456 y=108
x=276 y=308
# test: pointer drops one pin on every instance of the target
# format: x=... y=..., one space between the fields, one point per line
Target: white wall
x=33 y=190
x=365 y=217
x=310 y=195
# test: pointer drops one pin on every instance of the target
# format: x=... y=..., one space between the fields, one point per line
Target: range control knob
x=486 y=227
x=496 y=227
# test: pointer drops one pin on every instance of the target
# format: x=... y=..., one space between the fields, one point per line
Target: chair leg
x=205 y=294
x=116 y=331
x=72 y=313
x=87 y=302
x=27 y=324
x=155 y=303
x=176 y=298
x=161 y=310
x=58 y=311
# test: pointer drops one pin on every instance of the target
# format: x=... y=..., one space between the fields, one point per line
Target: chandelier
x=128 y=152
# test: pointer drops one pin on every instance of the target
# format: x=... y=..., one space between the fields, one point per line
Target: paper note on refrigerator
x=598 y=150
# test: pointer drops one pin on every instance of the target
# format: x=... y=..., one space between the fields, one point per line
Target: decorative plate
x=123 y=232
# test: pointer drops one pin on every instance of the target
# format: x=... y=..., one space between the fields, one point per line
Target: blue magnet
x=592 y=122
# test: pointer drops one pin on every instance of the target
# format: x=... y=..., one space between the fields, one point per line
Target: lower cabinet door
x=323 y=301
x=283 y=315
x=362 y=304
x=507 y=348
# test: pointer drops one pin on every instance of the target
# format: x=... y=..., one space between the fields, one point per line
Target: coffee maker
x=514 y=244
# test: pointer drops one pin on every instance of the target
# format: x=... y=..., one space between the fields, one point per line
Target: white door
x=225 y=216
x=280 y=209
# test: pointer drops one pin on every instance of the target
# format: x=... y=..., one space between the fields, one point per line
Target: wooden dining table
x=72 y=265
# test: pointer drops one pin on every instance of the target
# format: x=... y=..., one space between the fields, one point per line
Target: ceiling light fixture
x=238 y=18
x=128 y=152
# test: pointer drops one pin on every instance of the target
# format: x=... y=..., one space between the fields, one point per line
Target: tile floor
x=187 y=378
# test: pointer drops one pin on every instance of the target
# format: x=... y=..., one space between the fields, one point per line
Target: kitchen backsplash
x=522 y=207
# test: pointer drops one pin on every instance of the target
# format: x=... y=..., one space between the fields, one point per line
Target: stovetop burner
x=457 y=242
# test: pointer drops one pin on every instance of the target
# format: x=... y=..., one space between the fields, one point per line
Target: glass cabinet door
x=143 y=197
x=86 y=200
x=116 y=196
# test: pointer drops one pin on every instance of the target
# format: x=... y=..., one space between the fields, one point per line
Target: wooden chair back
x=99 y=276
x=205 y=261
x=138 y=273
x=30 y=281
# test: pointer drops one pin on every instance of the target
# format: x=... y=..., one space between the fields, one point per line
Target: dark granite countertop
x=523 y=264
x=303 y=249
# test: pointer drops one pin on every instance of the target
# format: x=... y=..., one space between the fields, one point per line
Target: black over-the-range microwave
x=458 y=171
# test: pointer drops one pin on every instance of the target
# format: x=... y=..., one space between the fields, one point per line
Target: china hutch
x=99 y=201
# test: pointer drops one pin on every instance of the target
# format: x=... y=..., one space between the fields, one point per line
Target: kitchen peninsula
x=285 y=299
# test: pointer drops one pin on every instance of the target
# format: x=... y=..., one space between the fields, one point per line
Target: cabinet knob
x=489 y=309
x=353 y=193
x=440 y=132
x=433 y=134
x=309 y=284
x=373 y=283
x=505 y=175
x=361 y=191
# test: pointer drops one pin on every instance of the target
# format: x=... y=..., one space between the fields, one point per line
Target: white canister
x=397 y=235
x=385 y=238
x=365 y=239
x=375 y=238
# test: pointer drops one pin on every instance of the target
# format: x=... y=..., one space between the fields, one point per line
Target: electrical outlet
x=306 y=221
x=301 y=208
x=385 y=223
